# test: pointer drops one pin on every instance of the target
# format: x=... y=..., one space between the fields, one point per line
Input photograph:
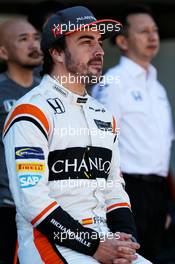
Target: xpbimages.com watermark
x=84 y=237
x=86 y=79
x=69 y=27
x=85 y=131
x=100 y=184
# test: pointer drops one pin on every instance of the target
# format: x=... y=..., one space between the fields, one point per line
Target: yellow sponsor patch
x=30 y=167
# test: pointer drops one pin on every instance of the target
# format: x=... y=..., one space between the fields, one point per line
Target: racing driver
x=59 y=142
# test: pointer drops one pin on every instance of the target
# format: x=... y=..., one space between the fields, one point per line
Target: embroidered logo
x=137 y=95
x=57 y=105
x=56 y=30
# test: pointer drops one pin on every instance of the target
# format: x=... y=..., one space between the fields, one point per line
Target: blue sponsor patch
x=29 y=153
x=27 y=181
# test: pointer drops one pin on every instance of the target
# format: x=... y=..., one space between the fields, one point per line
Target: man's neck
x=70 y=82
x=143 y=63
x=20 y=75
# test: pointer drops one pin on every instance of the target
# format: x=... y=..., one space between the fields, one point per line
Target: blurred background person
x=140 y=104
x=45 y=9
x=20 y=49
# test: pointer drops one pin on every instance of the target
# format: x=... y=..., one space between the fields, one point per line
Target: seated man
x=20 y=50
x=67 y=187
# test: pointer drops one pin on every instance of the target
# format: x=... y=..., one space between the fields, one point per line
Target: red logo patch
x=56 y=30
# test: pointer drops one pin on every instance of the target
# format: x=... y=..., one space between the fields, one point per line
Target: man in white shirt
x=140 y=104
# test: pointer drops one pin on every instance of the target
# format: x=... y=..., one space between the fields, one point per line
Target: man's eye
x=23 y=39
x=156 y=30
x=87 y=42
x=144 y=31
x=37 y=38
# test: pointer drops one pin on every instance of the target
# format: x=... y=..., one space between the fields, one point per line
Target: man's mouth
x=34 y=54
x=153 y=47
x=97 y=64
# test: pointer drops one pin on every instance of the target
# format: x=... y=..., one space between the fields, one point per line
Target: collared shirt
x=141 y=108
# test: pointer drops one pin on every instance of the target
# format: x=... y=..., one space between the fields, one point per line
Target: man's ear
x=57 y=56
x=121 y=42
x=3 y=53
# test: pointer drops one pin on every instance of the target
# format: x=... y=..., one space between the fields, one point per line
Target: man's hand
x=123 y=236
x=115 y=251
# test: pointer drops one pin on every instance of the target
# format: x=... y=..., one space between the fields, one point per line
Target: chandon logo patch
x=79 y=163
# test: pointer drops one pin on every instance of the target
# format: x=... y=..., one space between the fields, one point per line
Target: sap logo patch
x=27 y=181
x=29 y=153
x=30 y=167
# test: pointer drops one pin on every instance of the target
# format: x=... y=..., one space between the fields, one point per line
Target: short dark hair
x=128 y=10
x=60 y=45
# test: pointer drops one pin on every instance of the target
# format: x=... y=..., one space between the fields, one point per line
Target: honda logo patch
x=57 y=105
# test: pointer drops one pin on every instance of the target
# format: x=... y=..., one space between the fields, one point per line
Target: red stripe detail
x=29 y=110
x=15 y=260
x=93 y=23
x=45 y=249
x=43 y=212
x=85 y=219
x=118 y=205
x=114 y=126
x=87 y=222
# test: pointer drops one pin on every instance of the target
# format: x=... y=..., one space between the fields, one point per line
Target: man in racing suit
x=63 y=172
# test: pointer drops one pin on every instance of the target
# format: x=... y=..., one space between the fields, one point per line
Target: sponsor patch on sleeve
x=30 y=167
x=105 y=126
x=29 y=153
x=27 y=181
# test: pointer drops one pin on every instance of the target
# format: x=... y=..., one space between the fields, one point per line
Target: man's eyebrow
x=25 y=34
x=88 y=37
x=22 y=35
x=85 y=36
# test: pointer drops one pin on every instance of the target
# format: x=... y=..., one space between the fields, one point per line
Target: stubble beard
x=80 y=71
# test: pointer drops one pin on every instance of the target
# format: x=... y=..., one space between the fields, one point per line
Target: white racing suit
x=64 y=176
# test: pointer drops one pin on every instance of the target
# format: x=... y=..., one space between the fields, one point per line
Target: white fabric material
x=141 y=108
x=80 y=198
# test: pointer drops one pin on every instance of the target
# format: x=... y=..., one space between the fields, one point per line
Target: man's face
x=84 y=55
x=23 y=47
x=142 y=39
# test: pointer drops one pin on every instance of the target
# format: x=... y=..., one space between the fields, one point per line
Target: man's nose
x=34 y=44
x=153 y=35
x=99 y=50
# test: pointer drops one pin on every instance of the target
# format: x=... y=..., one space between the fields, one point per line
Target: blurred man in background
x=20 y=49
x=143 y=114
